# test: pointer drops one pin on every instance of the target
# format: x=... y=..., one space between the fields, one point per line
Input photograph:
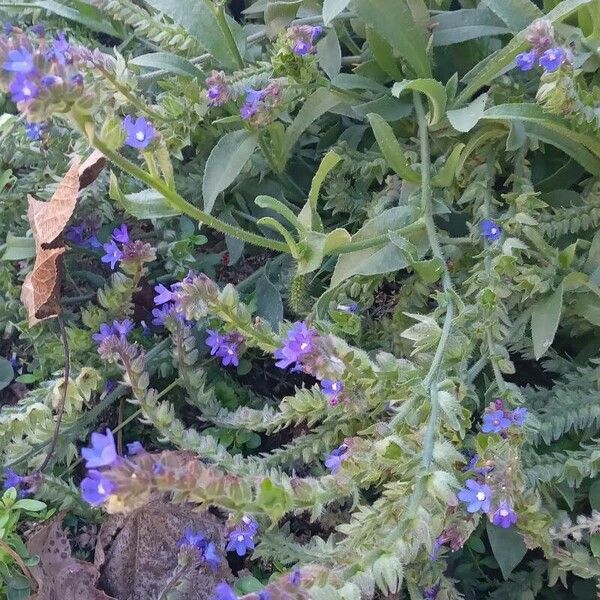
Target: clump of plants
x=323 y=275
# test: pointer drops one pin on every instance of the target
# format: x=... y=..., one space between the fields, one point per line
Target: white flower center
x=26 y=91
x=229 y=351
x=335 y=387
x=493 y=231
x=480 y=496
x=240 y=538
x=303 y=346
x=140 y=136
x=503 y=512
x=101 y=488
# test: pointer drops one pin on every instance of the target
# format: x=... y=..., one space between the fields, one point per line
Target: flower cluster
x=41 y=78
x=241 y=537
x=302 y=38
x=299 y=342
x=544 y=50
x=96 y=487
x=83 y=234
x=258 y=104
x=202 y=547
x=225 y=346
x=132 y=253
x=112 y=339
x=218 y=90
x=478 y=496
x=497 y=419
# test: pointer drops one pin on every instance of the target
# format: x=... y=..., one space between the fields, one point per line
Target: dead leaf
x=41 y=289
x=58 y=574
x=137 y=552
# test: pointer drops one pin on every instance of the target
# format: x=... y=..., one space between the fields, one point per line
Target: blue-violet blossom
x=490 y=230
x=336 y=457
x=526 y=60
x=139 y=133
x=298 y=342
x=102 y=452
x=552 y=58
x=478 y=496
x=504 y=516
x=96 y=488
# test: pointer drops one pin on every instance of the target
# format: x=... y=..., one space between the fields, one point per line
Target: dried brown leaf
x=90 y=168
x=59 y=575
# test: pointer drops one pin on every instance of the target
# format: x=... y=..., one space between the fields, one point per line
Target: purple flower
x=163 y=294
x=351 y=308
x=519 y=415
x=317 y=30
x=431 y=593
x=228 y=352
x=212 y=556
x=495 y=422
x=19 y=61
x=490 y=230
x=102 y=452
x=224 y=591
x=49 y=80
x=472 y=466
x=113 y=254
x=504 y=516
x=134 y=448
x=302 y=48
x=330 y=387
x=191 y=538
x=251 y=104
x=214 y=341
x=96 y=488
x=298 y=343
x=11 y=479
x=552 y=59
x=478 y=496
x=335 y=459
x=439 y=541
x=139 y=133
x=158 y=469
x=249 y=524
x=264 y=595
x=60 y=50
x=226 y=347
x=34 y=131
x=526 y=60
x=39 y=29
x=23 y=88
x=161 y=314
x=123 y=328
x=240 y=541
x=295 y=577
x=121 y=235
x=105 y=332
x=7 y=28
x=77 y=79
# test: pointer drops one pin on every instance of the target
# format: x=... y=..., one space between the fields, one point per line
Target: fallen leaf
x=58 y=574
x=41 y=289
x=136 y=553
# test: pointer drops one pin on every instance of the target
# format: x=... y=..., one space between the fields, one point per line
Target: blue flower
x=23 y=88
x=211 y=555
x=317 y=30
x=7 y=28
x=102 y=452
x=330 y=387
x=240 y=541
x=113 y=254
x=49 y=80
x=224 y=591
x=495 y=422
x=11 y=479
x=34 y=131
x=552 y=59
x=105 y=332
x=264 y=595
x=121 y=235
x=490 y=230
x=519 y=416
x=252 y=103
x=60 y=50
x=298 y=343
x=134 y=448
x=336 y=457
x=191 y=538
x=526 y=60
x=19 y=61
x=213 y=341
x=96 y=488
x=160 y=315
x=163 y=294
x=39 y=29
x=431 y=593
x=226 y=347
x=123 y=328
x=229 y=354
x=139 y=133
x=296 y=577
x=77 y=79
x=302 y=48
x=504 y=516
x=478 y=496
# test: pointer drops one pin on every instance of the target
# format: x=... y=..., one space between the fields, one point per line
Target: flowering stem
x=219 y=13
x=175 y=200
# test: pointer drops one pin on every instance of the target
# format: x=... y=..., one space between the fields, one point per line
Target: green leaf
x=18 y=248
x=545 y=318
x=85 y=14
x=29 y=505
x=508 y=547
x=391 y=150
x=456 y=26
x=464 y=119
x=7 y=373
x=235 y=246
x=495 y=64
x=429 y=271
x=386 y=17
x=279 y=14
x=445 y=176
x=147 y=204
x=383 y=53
x=332 y=8
x=595 y=495
x=168 y=62
x=198 y=18
x=434 y=90
x=381 y=259
x=517 y=14
x=280 y=208
x=272 y=499
x=595 y=544
x=225 y=163
x=329 y=54
x=268 y=302
x=585 y=149
x=318 y=103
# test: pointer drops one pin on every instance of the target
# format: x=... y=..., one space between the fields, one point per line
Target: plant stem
x=219 y=13
x=179 y=203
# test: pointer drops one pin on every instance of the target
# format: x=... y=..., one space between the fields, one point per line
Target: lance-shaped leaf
x=434 y=90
